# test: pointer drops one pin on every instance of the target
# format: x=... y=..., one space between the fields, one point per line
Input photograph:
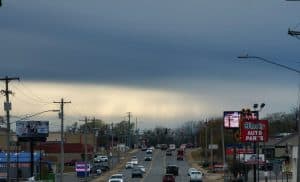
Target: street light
x=268 y=61
x=291 y=69
x=36 y=114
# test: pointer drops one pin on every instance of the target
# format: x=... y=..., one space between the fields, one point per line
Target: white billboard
x=254 y=158
x=32 y=129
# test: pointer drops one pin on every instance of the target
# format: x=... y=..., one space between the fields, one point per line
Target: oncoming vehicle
x=190 y=170
x=117 y=178
x=169 y=152
x=149 y=151
x=172 y=147
x=129 y=165
x=196 y=176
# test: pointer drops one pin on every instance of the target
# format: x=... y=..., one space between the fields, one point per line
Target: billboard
x=32 y=129
x=254 y=131
x=254 y=158
x=232 y=118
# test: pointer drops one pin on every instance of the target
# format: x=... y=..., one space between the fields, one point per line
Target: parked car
x=136 y=172
x=129 y=165
x=70 y=162
x=172 y=169
x=96 y=169
x=117 y=178
x=168 y=178
x=101 y=158
x=196 y=176
x=104 y=166
x=148 y=158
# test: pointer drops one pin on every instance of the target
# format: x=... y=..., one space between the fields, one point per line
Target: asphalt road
x=155 y=169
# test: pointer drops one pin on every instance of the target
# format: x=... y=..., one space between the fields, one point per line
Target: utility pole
x=7 y=108
x=61 y=116
x=223 y=151
x=129 y=130
x=211 y=149
x=206 y=125
x=85 y=148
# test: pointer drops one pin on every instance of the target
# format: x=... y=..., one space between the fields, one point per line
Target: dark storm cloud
x=140 y=42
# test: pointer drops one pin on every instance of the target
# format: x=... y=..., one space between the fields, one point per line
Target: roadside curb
x=209 y=177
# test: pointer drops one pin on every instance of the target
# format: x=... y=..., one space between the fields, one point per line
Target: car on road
x=164 y=147
x=142 y=168
x=172 y=169
x=117 y=178
x=101 y=158
x=134 y=161
x=190 y=170
x=148 y=158
x=144 y=148
x=136 y=172
x=129 y=165
x=149 y=151
x=180 y=154
x=168 y=178
x=196 y=176
x=169 y=152
x=172 y=147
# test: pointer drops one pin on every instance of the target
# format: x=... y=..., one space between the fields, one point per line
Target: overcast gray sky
x=166 y=61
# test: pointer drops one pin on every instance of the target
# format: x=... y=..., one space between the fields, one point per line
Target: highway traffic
x=156 y=169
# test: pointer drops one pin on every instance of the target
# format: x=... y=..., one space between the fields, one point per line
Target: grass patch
x=196 y=155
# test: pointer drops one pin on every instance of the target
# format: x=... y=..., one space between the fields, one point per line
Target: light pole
x=255 y=107
x=291 y=69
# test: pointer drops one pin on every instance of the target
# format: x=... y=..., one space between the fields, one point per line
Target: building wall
x=3 y=138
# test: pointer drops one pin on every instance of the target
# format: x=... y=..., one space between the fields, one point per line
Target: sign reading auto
x=254 y=130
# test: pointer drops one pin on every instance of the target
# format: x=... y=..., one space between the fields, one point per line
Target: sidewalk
x=208 y=177
x=118 y=167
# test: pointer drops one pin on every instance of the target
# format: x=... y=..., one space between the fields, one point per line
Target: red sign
x=254 y=130
x=230 y=151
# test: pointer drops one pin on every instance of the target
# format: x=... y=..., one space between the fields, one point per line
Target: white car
x=101 y=158
x=134 y=161
x=117 y=178
x=190 y=171
x=129 y=165
x=149 y=151
x=142 y=168
x=196 y=176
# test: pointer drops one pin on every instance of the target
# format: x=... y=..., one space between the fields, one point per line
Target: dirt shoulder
x=118 y=167
x=194 y=162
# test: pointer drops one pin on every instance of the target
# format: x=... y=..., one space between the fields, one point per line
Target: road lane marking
x=150 y=167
